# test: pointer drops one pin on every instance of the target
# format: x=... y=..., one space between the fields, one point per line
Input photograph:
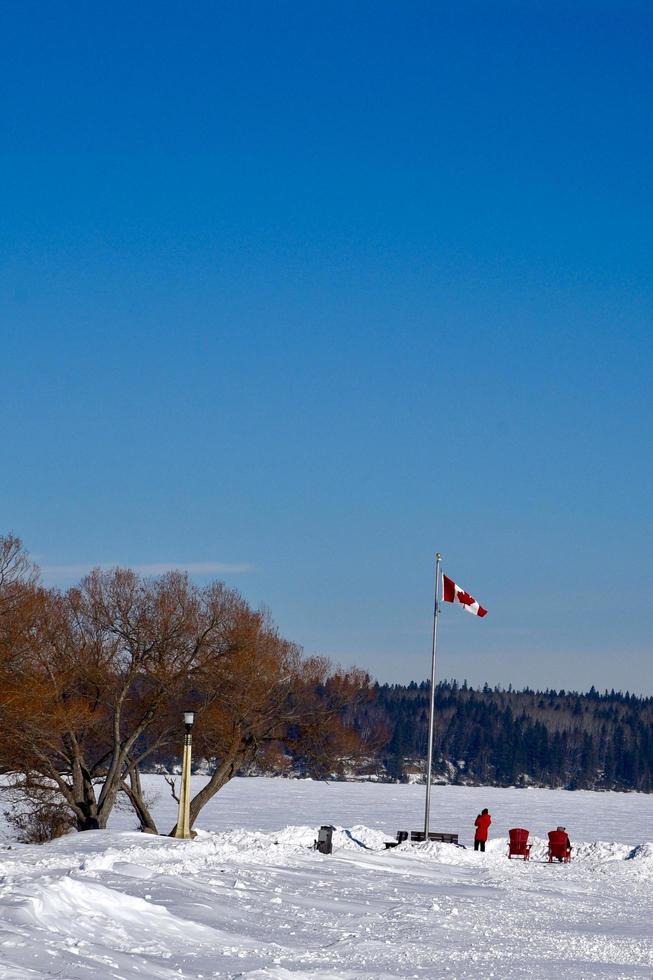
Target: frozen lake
x=263 y=804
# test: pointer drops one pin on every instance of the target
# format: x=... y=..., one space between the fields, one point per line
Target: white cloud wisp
x=63 y=573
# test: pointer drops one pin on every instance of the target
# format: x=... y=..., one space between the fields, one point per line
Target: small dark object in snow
x=324 y=842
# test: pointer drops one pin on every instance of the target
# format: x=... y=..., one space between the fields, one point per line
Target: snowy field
x=250 y=899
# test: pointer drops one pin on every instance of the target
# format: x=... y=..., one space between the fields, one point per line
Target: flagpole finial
x=438 y=555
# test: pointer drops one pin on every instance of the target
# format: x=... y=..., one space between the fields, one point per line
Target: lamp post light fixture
x=183 y=820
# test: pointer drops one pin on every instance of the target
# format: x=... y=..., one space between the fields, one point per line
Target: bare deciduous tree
x=92 y=682
x=98 y=669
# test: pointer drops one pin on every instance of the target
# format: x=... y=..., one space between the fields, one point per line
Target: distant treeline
x=505 y=737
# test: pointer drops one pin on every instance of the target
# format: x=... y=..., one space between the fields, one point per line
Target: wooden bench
x=417 y=836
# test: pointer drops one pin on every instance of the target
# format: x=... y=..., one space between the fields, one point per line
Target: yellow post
x=183 y=820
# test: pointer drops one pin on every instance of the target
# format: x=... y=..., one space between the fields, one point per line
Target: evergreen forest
x=492 y=736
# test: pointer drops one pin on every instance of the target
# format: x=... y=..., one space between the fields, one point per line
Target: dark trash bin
x=324 y=842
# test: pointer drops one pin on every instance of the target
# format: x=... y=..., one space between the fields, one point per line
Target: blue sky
x=297 y=294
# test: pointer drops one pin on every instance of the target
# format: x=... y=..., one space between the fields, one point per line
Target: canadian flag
x=453 y=593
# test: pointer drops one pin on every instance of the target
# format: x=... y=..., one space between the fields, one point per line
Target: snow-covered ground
x=249 y=898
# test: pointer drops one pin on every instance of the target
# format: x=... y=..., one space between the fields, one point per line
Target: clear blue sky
x=307 y=291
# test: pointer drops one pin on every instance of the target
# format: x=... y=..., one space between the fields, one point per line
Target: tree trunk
x=87 y=819
x=106 y=806
x=134 y=791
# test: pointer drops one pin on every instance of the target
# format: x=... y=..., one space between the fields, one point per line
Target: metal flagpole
x=436 y=613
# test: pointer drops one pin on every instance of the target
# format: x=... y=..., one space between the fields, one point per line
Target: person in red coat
x=481 y=823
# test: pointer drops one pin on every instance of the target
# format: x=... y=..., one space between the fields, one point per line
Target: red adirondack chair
x=559 y=847
x=518 y=845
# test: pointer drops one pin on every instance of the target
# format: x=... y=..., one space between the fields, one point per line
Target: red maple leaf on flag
x=453 y=593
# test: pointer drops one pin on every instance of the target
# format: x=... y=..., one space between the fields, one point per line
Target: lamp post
x=183 y=820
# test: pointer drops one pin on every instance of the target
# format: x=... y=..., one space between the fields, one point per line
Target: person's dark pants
x=479 y=845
